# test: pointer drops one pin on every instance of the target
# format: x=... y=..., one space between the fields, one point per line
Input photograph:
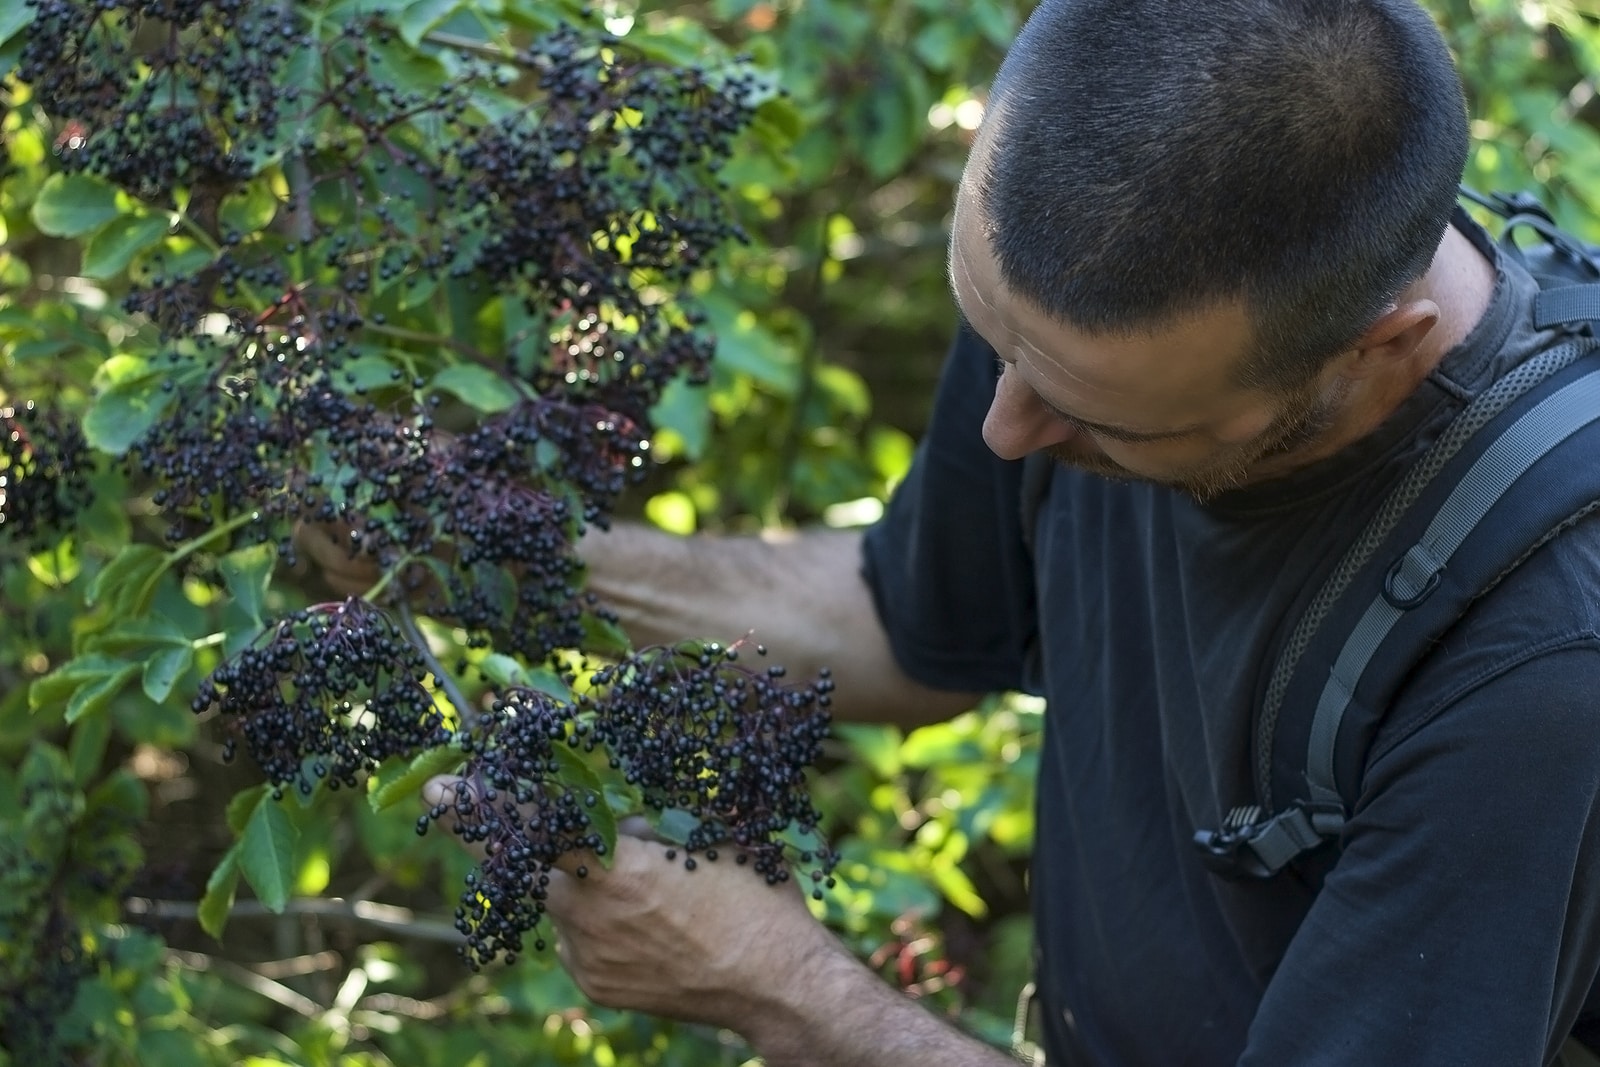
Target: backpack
x=1509 y=473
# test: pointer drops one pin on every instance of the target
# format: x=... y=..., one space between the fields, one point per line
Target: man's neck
x=1461 y=282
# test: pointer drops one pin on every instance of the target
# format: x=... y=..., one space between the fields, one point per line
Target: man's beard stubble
x=1305 y=416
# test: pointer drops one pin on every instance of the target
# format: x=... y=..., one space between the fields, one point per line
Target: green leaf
x=369 y=372
x=141 y=633
x=13 y=19
x=580 y=777
x=266 y=855
x=246 y=573
x=60 y=683
x=547 y=682
x=88 y=747
x=162 y=671
x=93 y=697
x=675 y=825
x=71 y=205
x=249 y=210
x=479 y=386
x=503 y=670
x=684 y=409
x=242 y=806
x=218 y=899
x=129 y=571
x=120 y=416
x=109 y=251
x=386 y=793
x=423 y=16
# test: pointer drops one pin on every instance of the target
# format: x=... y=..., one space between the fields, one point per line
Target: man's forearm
x=802 y=596
x=845 y=1016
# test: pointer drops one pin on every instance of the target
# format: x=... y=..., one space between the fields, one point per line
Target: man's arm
x=718 y=945
x=801 y=595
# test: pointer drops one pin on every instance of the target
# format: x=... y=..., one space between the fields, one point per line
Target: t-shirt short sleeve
x=950 y=574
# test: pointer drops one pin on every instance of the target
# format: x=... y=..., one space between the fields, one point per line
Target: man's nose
x=1018 y=423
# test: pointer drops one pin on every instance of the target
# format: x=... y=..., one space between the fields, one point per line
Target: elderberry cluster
x=160 y=93
x=512 y=800
x=694 y=729
x=327 y=693
x=44 y=463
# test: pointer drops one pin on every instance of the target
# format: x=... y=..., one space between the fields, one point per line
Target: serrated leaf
x=246 y=573
x=422 y=16
x=547 y=682
x=111 y=249
x=13 y=19
x=503 y=670
x=93 y=697
x=60 y=683
x=266 y=855
x=164 y=668
x=141 y=633
x=580 y=777
x=218 y=899
x=249 y=210
x=88 y=747
x=674 y=825
x=242 y=806
x=124 y=581
x=368 y=372
x=120 y=416
x=478 y=386
x=407 y=785
x=71 y=205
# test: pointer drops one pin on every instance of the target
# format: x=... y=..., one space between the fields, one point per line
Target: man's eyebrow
x=1116 y=433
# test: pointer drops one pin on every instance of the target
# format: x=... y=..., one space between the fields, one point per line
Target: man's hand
x=717 y=945
x=330 y=547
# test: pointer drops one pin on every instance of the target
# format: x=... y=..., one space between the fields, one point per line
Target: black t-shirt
x=1461 y=921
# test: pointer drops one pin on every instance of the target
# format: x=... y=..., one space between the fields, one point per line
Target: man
x=1211 y=246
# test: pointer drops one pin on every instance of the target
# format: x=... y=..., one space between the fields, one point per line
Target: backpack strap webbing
x=1528 y=471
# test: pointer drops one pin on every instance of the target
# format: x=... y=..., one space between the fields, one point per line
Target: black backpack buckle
x=1254 y=845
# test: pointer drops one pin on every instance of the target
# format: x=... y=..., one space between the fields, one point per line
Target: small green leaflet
x=579 y=776
x=242 y=806
x=109 y=251
x=218 y=899
x=71 y=205
x=93 y=697
x=266 y=855
x=384 y=792
x=163 y=669
x=13 y=19
x=478 y=386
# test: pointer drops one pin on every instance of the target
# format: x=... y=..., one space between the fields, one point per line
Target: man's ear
x=1393 y=339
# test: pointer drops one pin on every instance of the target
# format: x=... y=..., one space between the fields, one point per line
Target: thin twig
x=383 y=916
x=276 y=992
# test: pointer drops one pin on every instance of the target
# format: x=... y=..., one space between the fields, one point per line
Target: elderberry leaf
x=422 y=16
x=579 y=777
x=71 y=205
x=674 y=825
x=384 y=792
x=164 y=668
x=682 y=410
x=94 y=697
x=14 y=19
x=141 y=633
x=266 y=855
x=242 y=806
x=218 y=899
x=120 y=416
x=478 y=386
x=250 y=209
x=246 y=574
x=123 y=580
x=87 y=748
x=60 y=683
x=112 y=248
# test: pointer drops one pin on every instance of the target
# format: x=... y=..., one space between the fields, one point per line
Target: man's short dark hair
x=1152 y=157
